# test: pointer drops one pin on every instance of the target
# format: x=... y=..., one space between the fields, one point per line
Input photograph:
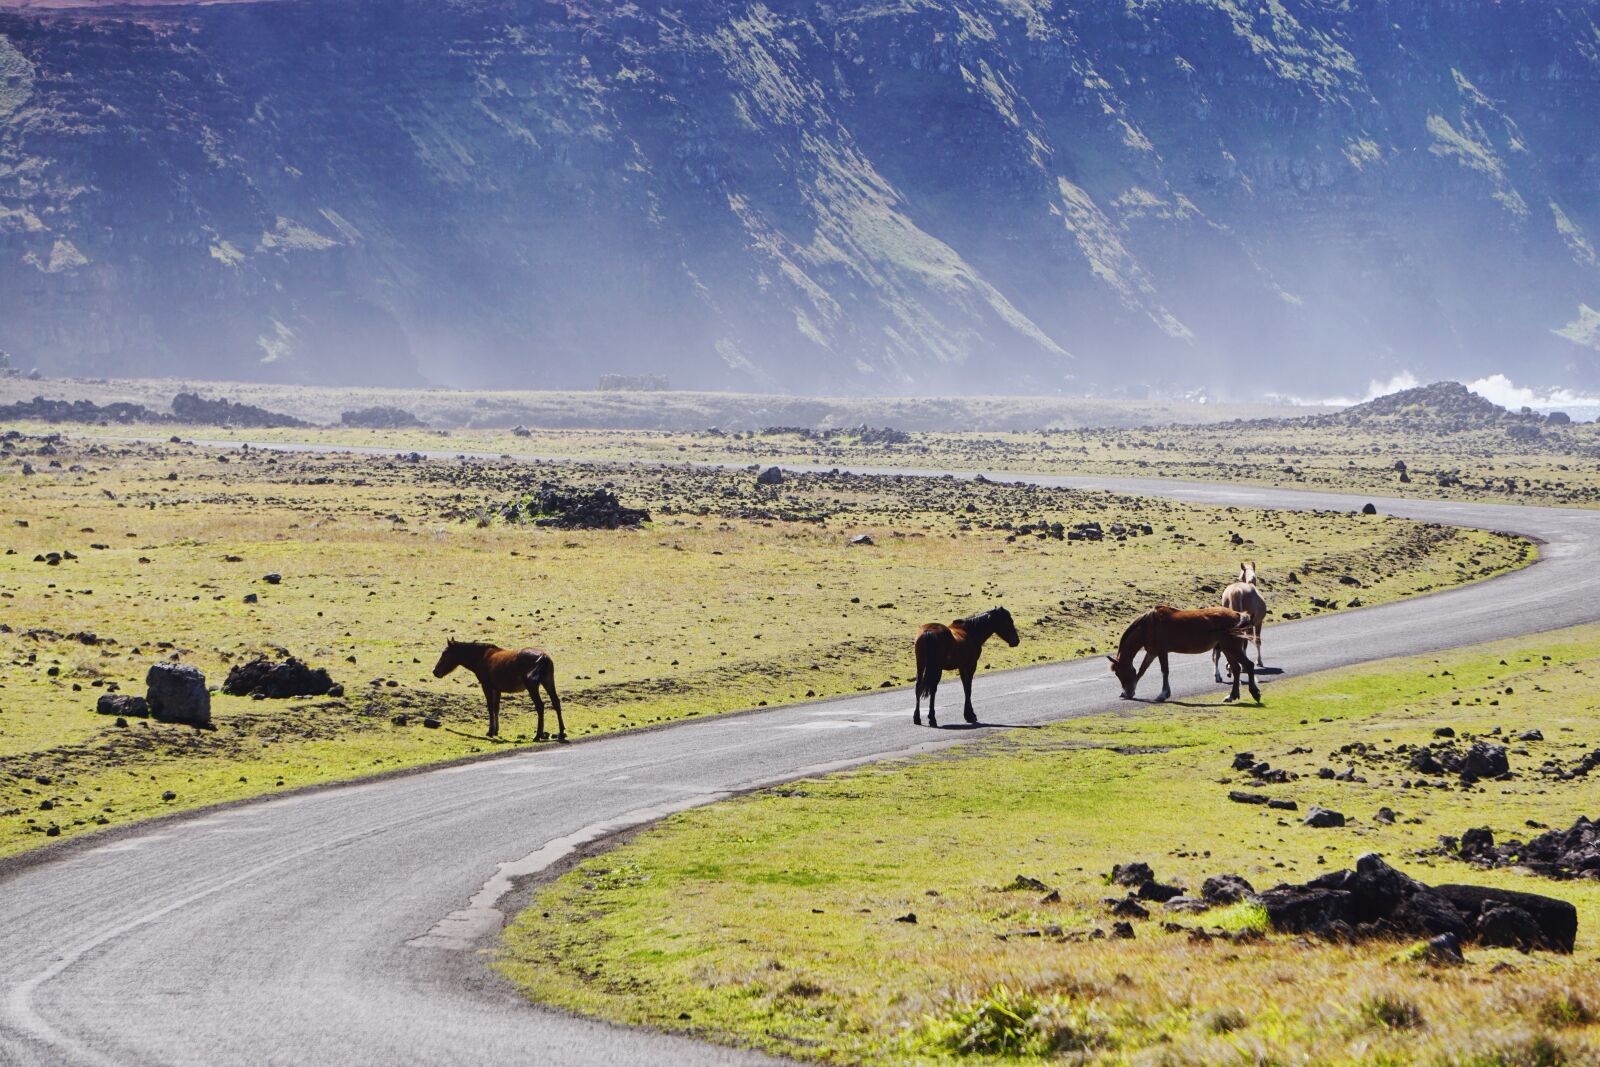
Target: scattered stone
x=1133 y=874
x=861 y=540
x=1023 y=881
x=431 y=723
x=272 y=579
x=1369 y=509
x=1225 y=889
x=1323 y=818
x=1443 y=951
x=176 y=692
x=1129 y=908
x=908 y=917
x=1157 y=892
x=122 y=704
x=1240 y=797
x=770 y=476
x=1122 y=931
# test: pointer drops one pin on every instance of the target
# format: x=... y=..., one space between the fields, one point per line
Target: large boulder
x=1376 y=889
x=1295 y=909
x=1557 y=920
x=176 y=692
x=289 y=678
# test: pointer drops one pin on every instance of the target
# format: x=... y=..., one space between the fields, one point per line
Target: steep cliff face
x=858 y=195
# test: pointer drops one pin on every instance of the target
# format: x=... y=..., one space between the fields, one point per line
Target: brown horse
x=1242 y=596
x=956 y=647
x=1164 y=630
x=504 y=670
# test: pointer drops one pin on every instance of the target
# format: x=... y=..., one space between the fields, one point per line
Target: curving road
x=347 y=926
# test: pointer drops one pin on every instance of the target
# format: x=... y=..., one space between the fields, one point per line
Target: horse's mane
x=1123 y=651
x=476 y=646
x=982 y=618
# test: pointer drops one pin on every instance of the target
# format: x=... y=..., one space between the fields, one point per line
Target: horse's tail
x=924 y=656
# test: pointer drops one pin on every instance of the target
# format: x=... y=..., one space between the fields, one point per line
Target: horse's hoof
x=971 y=717
x=541 y=736
x=916 y=720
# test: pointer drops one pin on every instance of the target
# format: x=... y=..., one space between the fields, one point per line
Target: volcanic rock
x=266 y=678
x=176 y=692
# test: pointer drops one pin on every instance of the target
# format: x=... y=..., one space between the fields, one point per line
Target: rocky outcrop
x=192 y=408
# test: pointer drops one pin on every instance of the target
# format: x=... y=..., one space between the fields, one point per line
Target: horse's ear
x=1113 y=660
x=450 y=642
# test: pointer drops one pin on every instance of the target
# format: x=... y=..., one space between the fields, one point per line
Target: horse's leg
x=1216 y=661
x=538 y=704
x=1166 y=684
x=1255 y=690
x=1259 y=661
x=492 y=695
x=555 y=701
x=1234 y=659
x=935 y=673
x=966 y=684
x=922 y=683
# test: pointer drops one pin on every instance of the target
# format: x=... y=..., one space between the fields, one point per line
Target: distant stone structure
x=641 y=383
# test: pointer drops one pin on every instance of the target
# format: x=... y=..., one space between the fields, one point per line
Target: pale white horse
x=1242 y=597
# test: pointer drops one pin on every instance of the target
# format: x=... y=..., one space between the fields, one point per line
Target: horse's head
x=1004 y=627
x=449 y=660
x=1247 y=572
x=1125 y=674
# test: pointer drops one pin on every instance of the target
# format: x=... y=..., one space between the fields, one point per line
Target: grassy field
x=779 y=920
x=1560 y=468
x=164 y=549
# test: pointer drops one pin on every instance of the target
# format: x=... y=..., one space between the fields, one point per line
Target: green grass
x=694 y=614
x=771 y=920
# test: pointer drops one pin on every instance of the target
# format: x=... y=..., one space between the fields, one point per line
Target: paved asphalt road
x=346 y=926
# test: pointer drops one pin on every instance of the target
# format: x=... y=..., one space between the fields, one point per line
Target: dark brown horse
x=503 y=670
x=1164 y=630
x=956 y=647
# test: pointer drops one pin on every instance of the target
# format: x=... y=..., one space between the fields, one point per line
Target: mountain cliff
x=881 y=196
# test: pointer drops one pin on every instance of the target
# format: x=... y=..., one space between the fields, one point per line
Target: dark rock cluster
x=193 y=408
x=569 y=508
x=380 y=417
x=79 y=411
x=264 y=678
x=1375 y=900
x=1570 y=853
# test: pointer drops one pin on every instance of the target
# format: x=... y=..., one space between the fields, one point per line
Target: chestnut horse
x=956 y=647
x=1242 y=596
x=504 y=670
x=1164 y=630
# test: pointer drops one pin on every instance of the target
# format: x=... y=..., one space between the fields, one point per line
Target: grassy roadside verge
x=771 y=920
